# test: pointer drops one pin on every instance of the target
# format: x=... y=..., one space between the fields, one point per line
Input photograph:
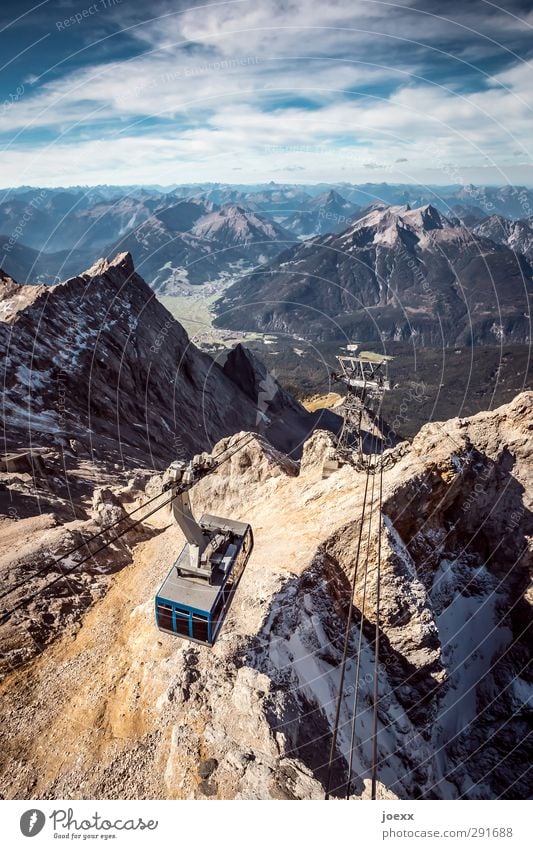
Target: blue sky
x=122 y=91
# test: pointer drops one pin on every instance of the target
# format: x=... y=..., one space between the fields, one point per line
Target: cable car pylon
x=365 y=377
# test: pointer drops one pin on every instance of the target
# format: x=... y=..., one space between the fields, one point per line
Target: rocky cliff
x=115 y=709
x=98 y=360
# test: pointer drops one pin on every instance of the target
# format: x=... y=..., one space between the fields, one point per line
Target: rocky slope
x=516 y=235
x=116 y=709
x=99 y=360
x=396 y=274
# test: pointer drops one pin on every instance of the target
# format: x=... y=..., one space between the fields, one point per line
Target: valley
x=428 y=384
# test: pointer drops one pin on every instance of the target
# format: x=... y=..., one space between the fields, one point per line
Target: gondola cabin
x=192 y=605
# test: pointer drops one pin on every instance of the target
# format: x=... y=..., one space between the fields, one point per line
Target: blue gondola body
x=193 y=608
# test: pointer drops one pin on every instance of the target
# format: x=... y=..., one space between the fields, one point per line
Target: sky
x=248 y=91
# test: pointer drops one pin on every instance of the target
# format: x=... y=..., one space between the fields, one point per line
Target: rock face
x=135 y=713
x=100 y=361
x=396 y=274
x=517 y=235
x=278 y=413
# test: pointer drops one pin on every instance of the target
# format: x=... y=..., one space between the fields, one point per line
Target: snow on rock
x=98 y=359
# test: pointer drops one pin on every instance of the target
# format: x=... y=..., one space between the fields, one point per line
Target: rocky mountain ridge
x=517 y=235
x=98 y=360
x=397 y=274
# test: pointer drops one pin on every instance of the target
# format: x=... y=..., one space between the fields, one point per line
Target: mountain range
x=242 y=225
x=317 y=263
x=173 y=240
x=396 y=274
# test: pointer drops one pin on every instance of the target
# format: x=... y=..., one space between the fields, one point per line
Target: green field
x=192 y=311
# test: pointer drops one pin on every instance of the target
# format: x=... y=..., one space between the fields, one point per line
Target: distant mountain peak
x=332 y=195
x=389 y=221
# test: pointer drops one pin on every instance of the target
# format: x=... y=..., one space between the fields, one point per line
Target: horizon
x=170 y=187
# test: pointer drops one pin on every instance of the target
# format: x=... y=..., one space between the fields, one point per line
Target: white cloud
x=216 y=78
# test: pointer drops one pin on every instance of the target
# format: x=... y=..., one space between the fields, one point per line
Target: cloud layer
x=358 y=90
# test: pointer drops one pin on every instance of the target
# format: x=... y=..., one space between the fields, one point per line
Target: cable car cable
x=376 y=649
x=367 y=558
x=4 y=618
x=346 y=642
x=78 y=547
x=85 y=542
x=7 y=615
x=360 y=642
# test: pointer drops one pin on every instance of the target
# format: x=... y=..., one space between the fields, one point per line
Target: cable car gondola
x=194 y=598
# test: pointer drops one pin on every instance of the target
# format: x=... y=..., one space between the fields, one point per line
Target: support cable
x=333 y=746
x=376 y=647
x=359 y=647
x=7 y=615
